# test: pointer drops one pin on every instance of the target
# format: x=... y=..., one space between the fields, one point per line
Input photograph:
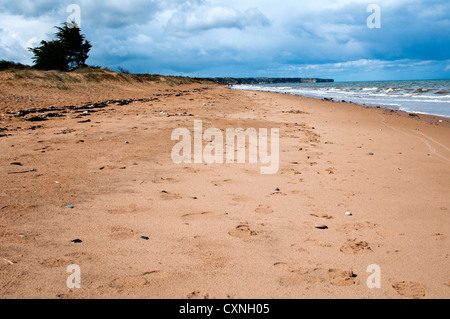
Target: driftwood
x=23 y=172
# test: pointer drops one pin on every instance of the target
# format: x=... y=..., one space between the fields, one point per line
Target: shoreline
x=348 y=101
x=429 y=118
x=105 y=194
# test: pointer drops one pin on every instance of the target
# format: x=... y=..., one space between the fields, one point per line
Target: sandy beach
x=101 y=172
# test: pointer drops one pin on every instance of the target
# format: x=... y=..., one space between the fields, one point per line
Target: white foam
x=406 y=95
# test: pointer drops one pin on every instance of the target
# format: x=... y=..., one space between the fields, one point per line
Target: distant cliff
x=236 y=81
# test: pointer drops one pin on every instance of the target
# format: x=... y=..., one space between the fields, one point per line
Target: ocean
x=423 y=97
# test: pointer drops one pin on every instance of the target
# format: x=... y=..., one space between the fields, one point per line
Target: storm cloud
x=322 y=38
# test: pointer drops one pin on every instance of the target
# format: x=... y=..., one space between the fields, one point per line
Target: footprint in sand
x=124 y=210
x=439 y=236
x=318 y=243
x=348 y=228
x=410 y=289
x=355 y=247
x=121 y=233
x=134 y=282
x=264 y=210
x=301 y=276
x=165 y=195
x=243 y=231
x=285 y=266
x=324 y=216
x=298 y=248
x=163 y=180
x=80 y=256
x=203 y=215
x=237 y=199
x=54 y=263
x=338 y=277
x=240 y=198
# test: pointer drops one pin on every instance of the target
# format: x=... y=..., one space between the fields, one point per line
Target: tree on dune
x=67 y=52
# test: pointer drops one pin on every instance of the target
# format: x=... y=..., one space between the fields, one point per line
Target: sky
x=344 y=40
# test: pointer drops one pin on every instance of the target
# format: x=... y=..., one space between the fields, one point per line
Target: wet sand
x=150 y=228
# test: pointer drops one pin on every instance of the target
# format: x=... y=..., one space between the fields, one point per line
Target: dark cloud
x=263 y=37
x=99 y=14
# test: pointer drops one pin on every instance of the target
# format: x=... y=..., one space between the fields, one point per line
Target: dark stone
x=16 y=164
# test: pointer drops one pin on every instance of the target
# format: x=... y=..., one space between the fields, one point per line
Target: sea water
x=425 y=96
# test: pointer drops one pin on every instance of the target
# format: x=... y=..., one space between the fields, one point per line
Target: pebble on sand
x=321 y=226
x=145 y=237
x=348 y=214
x=70 y=206
x=277 y=189
x=77 y=241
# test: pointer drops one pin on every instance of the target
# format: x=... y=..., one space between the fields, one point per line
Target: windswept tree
x=50 y=56
x=67 y=52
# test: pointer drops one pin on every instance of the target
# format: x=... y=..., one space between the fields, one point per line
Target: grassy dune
x=23 y=88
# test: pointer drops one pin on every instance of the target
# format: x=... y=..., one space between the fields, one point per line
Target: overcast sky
x=245 y=38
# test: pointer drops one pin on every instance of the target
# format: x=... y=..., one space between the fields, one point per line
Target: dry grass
x=97 y=75
x=29 y=88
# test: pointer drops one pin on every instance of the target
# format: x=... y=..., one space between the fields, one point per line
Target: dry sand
x=239 y=238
